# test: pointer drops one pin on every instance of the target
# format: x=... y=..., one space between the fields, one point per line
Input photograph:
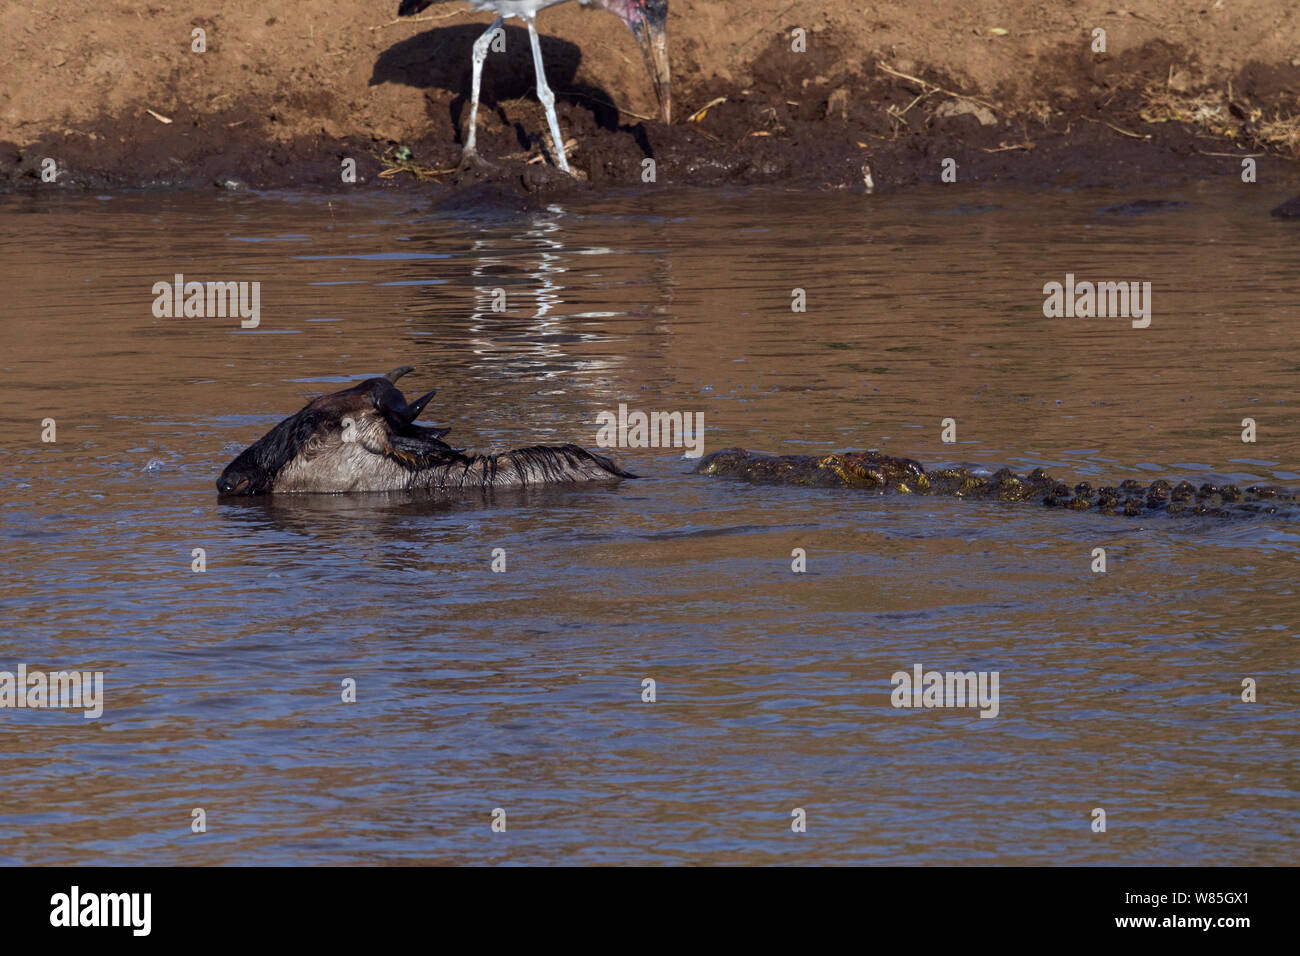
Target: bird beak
x=652 y=36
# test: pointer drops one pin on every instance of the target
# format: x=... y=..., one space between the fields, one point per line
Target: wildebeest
x=365 y=438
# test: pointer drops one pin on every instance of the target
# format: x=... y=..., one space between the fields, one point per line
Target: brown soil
x=288 y=88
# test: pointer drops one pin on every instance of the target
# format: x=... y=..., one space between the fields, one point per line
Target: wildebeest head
x=353 y=432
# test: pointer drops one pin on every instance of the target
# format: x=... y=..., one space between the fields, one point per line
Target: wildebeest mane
x=558 y=462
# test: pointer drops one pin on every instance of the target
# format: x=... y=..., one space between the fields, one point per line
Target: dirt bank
x=1011 y=91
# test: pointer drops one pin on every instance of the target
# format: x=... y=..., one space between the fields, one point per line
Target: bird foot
x=560 y=162
x=472 y=162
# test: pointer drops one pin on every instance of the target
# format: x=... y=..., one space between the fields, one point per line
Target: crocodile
x=873 y=471
x=365 y=438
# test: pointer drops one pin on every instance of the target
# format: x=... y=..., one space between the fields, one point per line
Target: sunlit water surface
x=522 y=690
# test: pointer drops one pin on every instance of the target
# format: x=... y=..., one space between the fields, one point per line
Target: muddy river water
x=522 y=690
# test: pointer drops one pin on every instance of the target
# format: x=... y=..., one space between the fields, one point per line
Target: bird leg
x=469 y=154
x=546 y=96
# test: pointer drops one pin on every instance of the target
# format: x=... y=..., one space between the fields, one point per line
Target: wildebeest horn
x=397 y=373
x=413 y=410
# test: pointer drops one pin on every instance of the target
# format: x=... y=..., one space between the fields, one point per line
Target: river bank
x=284 y=93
